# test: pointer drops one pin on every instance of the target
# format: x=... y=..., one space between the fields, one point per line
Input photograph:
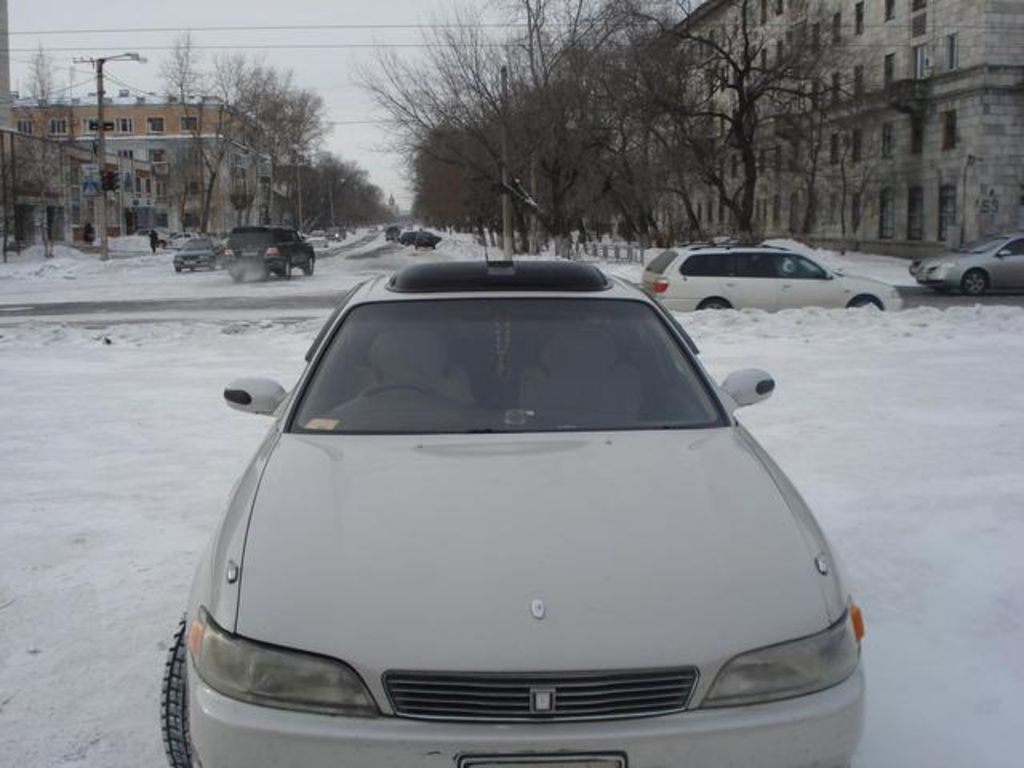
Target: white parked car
x=757 y=277
x=506 y=518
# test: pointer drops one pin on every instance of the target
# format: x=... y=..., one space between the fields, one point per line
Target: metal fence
x=630 y=253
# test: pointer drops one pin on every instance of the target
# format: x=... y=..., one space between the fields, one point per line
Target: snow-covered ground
x=905 y=431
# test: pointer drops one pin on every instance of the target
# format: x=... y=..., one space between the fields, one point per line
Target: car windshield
x=504 y=365
x=980 y=246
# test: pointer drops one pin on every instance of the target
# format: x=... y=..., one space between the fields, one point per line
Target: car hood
x=426 y=552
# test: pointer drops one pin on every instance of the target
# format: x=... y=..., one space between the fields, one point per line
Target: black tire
x=309 y=267
x=865 y=300
x=974 y=282
x=714 y=303
x=177 y=269
x=174 y=703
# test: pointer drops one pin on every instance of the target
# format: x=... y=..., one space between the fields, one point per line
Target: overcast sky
x=60 y=26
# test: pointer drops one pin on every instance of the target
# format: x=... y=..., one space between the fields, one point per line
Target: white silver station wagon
x=505 y=518
x=706 y=276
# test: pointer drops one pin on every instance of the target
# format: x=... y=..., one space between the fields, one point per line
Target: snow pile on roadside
x=904 y=431
x=129 y=244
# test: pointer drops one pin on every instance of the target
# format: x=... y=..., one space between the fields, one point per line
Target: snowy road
x=905 y=431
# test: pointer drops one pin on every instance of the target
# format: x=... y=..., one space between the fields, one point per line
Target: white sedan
x=506 y=518
x=757 y=277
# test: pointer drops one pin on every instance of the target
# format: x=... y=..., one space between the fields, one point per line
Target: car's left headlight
x=790 y=669
x=275 y=677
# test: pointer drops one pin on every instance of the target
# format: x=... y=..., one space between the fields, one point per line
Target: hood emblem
x=821 y=563
x=537 y=609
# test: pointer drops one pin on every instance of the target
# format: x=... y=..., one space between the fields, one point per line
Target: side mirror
x=1003 y=253
x=749 y=386
x=261 y=396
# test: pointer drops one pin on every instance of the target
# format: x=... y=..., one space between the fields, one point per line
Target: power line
x=260 y=28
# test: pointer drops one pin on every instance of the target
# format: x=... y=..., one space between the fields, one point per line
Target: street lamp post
x=101 y=142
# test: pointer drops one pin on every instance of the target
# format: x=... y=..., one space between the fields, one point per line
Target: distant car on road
x=177 y=240
x=392 y=233
x=198 y=253
x=735 y=276
x=260 y=251
x=991 y=263
x=419 y=238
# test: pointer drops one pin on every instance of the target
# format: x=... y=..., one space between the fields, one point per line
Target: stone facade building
x=173 y=160
x=923 y=113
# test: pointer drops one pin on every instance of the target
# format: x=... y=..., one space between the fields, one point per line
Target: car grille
x=540 y=696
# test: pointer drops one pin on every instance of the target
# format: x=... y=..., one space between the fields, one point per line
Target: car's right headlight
x=790 y=669
x=275 y=677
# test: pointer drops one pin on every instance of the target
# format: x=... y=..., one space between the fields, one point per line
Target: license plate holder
x=568 y=760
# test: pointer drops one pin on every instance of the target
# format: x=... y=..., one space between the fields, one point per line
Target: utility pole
x=101 y=142
x=101 y=157
x=506 y=199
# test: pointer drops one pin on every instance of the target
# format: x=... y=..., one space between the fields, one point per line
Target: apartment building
x=173 y=159
x=922 y=103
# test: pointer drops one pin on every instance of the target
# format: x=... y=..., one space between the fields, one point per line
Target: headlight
x=790 y=669
x=275 y=677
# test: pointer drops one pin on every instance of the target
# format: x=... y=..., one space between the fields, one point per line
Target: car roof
x=518 y=279
x=488 y=276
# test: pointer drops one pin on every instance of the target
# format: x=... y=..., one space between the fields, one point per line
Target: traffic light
x=110 y=181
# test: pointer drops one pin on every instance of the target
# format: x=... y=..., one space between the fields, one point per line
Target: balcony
x=908 y=96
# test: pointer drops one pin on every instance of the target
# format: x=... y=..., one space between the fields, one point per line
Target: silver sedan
x=992 y=263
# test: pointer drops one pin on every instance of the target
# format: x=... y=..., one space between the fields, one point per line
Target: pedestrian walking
x=154 y=240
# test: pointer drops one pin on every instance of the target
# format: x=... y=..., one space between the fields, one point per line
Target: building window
x=158 y=155
x=858 y=19
x=888 y=137
x=952 y=52
x=833 y=148
x=124 y=125
x=58 y=126
x=886 y=214
x=90 y=124
x=780 y=52
x=917 y=5
x=949 y=129
x=947 y=210
x=856 y=142
x=889 y=69
x=915 y=213
x=919 y=25
x=855 y=211
x=25 y=126
x=890 y=10
x=916 y=134
x=189 y=123
x=779 y=7
x=192 y=187
x=858 y=80
x=835 y=88
x=837 y=27
x=126 y=153
x=154 y=125
x=920 y=54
